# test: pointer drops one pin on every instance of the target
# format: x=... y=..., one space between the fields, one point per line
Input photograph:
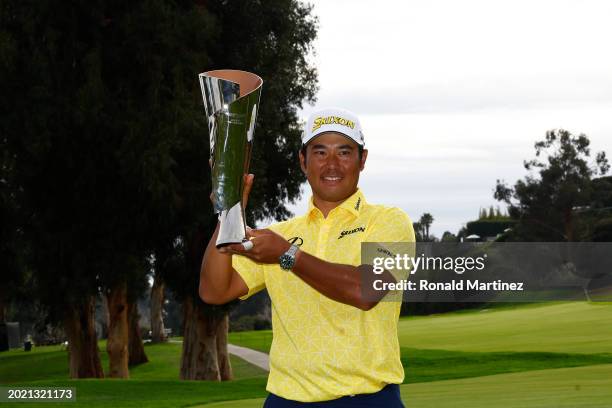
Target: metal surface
x=231 y=101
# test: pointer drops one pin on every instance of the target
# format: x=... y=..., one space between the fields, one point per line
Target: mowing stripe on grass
x=435 y=365
x=572 y=327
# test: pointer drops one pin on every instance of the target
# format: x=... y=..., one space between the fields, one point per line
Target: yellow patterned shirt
x=323 y=349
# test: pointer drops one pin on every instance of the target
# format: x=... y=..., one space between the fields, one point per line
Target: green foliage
x=544 y=205
x=491 y=214
x=271 y=39
x=602 y=230
x=418 y=231
x=105 y=136
x=448 y=236
x=245 y=323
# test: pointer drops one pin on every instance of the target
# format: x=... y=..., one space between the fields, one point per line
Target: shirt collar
x=354 y=204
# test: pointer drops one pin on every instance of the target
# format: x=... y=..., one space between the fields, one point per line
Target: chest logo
x=297 y=241
x=348 y=232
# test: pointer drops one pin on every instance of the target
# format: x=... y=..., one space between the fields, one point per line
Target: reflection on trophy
x=231 y=99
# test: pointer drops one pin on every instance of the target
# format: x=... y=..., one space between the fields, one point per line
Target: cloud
x=474 y=94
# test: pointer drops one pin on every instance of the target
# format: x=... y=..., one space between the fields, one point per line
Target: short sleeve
x=391 y=225
x=251 y=272
x=393 y=232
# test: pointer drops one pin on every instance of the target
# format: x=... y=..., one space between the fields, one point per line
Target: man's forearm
x=342 y=283
x=215 y=272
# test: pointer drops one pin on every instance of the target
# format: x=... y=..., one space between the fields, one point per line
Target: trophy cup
x=231 y=99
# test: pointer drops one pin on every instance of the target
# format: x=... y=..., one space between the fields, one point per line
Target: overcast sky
x=452 y=95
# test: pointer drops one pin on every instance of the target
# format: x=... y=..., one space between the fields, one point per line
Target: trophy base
x=232 y=226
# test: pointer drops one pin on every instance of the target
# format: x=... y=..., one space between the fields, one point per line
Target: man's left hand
x=268 y=246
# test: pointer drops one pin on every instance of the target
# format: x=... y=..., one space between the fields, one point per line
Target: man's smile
x=332 y=179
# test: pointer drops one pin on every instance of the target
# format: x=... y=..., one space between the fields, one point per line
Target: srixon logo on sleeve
x=348 y=232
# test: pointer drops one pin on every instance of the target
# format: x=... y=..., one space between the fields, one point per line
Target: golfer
x=331 y=347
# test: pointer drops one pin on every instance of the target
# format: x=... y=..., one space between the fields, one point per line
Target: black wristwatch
x=287 y=260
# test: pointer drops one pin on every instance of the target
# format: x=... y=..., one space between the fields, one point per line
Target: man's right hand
x=219 y=282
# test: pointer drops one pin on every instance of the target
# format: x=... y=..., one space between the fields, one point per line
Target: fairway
x=585 y=387
x=573 y=327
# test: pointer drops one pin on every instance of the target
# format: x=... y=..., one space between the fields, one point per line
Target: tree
x=273 y=41
x=448 y=236
x=425 y=221
x=96 y=97
x=105 y=131
x=545 y=205
x=418 y=231
x=11 y=243
x=482 y=213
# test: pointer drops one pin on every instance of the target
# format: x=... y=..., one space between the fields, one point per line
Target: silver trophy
x=231 y=99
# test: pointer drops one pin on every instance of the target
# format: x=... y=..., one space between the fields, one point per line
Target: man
x=330 y=343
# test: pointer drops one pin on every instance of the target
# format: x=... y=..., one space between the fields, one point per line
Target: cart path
x=257 y=358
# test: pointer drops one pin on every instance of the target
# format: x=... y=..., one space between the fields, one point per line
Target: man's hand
x=219 y=282
x=268 y=246
x=246 y=191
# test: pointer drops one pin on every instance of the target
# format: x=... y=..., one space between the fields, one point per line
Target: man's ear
x=302 y=162
x=364 y=156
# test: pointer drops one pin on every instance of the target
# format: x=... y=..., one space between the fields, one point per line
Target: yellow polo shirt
x=323 y=349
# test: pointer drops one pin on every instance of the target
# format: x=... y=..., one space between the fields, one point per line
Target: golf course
x=543 y=355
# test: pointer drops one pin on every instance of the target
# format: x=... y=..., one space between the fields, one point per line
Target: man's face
x=332 y=166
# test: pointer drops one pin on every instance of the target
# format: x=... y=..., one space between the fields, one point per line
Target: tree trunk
x=225 y=368
x=117 y=344
x=157 y=305
x=84 y=357
x=136 y=352
x=202 y=342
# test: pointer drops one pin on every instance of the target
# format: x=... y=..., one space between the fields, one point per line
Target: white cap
x=333 y=120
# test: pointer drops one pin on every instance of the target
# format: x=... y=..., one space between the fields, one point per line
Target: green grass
x=258 y=340
x=573 y=327
x=533 y=356
x=51 y=363
x=435 y=365
x=151 y=393
x=154 y=384
x=559 y=388
x=584 y=387
x=479 y=344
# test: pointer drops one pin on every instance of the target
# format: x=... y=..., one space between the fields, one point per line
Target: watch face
x=286 y=261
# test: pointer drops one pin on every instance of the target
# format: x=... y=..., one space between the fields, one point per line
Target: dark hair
x=304 y=149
